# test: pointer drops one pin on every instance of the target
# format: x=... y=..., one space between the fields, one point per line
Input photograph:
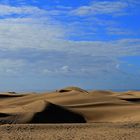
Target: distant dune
x=70 y=105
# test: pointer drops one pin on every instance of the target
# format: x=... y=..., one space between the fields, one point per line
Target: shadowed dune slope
x=56 y=114
x=6 y=95
x=70 y=105
x=42 y=112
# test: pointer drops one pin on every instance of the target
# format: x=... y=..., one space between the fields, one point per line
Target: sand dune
x=91 y=106
x=70 y=105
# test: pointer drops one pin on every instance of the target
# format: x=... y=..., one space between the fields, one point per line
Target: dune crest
x=68 y=89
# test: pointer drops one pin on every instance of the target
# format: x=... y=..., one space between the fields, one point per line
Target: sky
x=50 y=44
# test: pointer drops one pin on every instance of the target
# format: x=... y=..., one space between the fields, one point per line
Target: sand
x=70 y=113
x=94 y=131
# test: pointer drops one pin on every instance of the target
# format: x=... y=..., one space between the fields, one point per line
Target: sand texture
x=70 y=113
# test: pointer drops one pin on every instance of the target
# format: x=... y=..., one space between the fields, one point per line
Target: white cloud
x=46 y=71
x=9 y=10
x=118 y=31
x=49 y=35
x=26 y=10
x=65 y=69
x=98 y=67
x=101 y=7
x=134 y=2
x=117 y=48
x=11 y=67
x=28 y=33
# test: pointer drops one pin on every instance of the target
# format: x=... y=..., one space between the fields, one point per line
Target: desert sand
x=70 y=114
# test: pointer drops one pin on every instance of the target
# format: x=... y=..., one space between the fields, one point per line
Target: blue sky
x=49 y=44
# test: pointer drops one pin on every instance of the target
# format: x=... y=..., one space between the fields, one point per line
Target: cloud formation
x=10 y=67
x=10 y=10
x=102 y=7
x=40 y=42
